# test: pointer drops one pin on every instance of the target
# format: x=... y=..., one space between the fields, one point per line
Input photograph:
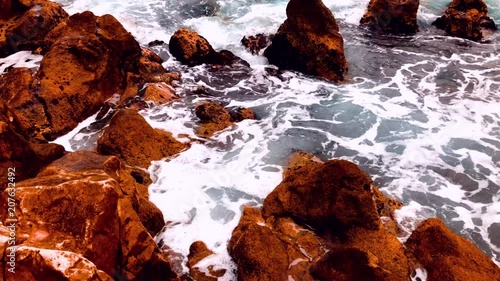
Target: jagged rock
x=131 y=138
x=215 y=117
x=336 y=194
x=18 y=153
x=87 y=60
x=256 y=43
x=466 y=19
x=24 y=24
x=393 y=16
x=160 y=93
x=197 y=252
x=87 y=205
x=277 y=249
x=447 y=256
x=192 y=49
x=309 y=41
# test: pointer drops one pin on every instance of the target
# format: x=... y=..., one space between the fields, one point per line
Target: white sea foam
x=420 y=115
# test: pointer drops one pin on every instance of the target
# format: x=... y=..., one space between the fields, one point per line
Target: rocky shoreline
x=86 y=215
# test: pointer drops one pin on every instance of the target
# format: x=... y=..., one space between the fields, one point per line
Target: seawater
x=420 y=114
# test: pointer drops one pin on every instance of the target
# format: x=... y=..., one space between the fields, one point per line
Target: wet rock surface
x=392 y=16
x=448 y=256
x=256 y=43
x=466 y=19
x=132 y=139
x=88 y=206
x=24 y=24
x=309 y=41
x=215 y=117
x=192 y=49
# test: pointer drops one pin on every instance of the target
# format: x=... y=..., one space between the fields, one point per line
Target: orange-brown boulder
x=392 y=16
x=256 y=43
x=336 y=194
x=349 y=264
x=215 y=117
x=448 y=256
x=277 y=249
x=24 y=24
x=132 y=139
x=86 y=204
x=309 y=41
x=197 y=252
x=160 y=93
x=466 y=19
x=191 y=49
x=23 y=158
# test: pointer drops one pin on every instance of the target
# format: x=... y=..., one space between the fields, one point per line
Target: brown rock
x=393 y=16
x=192 y=49
x=160 y=93
x=336 y=194
x=213 y=116
x=256 y=43
x=131 y=138
x=274 y=250
x=466 y=19
x=84 y=204
x=447 y=256
x=24 y=24
x=197 y=252
x=348 y=264
x=34 y=264
x=309 y=41
x=240 y=114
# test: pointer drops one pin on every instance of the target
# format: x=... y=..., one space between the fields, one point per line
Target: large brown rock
x=447 y=256
x=393 y=16
x=87 y=204
x=131 y=138
x=191 y=49
x=466 y=19
x=327 y=195
x=24 y=24
x=309 y=41
x=87 y=60
x=17 y=154
x=276 y=249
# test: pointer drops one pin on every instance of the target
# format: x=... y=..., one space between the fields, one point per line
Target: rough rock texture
x=393 y=16
x=274 y=249
x=447 y=256
x=24 y=24
x=132 y=139
x=198 y=251
x=240 y=114
x=88 y=205
x=87 y=60
x=18 y=153
x=34 y=264
x=192 y=49
x=330 y=195
x=213 y=116
x=309 y=41
x=160 y=93
x=256 y=43
x=466 y=19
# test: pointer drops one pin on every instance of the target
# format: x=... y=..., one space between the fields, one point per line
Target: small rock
x=256 y=43
x=160 y=93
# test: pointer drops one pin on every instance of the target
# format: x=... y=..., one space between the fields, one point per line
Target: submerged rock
x=198 y=251
x=466 y=19
x=256 y=43
x=215 y=117
x=448 y=256
x=24 y=24
x=192 y=49
x=85 y=206
x=131 y=138
x=309 y=41
x=393 y=16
